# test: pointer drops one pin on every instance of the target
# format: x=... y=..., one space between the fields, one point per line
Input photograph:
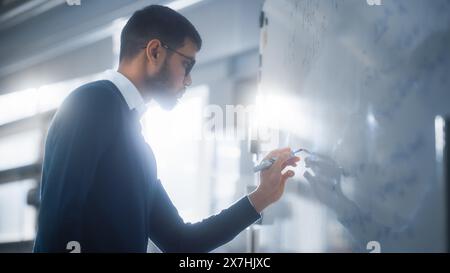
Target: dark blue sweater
x=100 y=187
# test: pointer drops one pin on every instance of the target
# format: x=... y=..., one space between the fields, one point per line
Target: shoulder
x=99 y=95
x=96 y=104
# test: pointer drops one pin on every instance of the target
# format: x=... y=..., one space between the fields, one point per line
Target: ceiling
x=13 y=12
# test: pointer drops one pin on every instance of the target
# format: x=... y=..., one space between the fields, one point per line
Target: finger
x=291 y=162
x=281 y=188
x=287 y=175
x=294 y=159
x=285 y=178
x=309 y=177
x=276 y=153
x=288 y=164
x=281 y=159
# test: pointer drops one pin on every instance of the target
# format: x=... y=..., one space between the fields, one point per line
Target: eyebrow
x=192 y=59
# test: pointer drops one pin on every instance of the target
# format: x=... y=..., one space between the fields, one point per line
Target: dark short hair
x=156 y=22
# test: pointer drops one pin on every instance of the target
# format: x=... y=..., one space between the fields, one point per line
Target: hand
x=326 y=182
x=273 y=181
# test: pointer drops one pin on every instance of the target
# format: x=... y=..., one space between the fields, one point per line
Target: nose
x=188 y=80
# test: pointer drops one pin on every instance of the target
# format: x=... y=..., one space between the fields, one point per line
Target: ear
x=154 y=52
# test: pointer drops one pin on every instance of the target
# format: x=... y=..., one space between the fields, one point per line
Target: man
x=99 y=189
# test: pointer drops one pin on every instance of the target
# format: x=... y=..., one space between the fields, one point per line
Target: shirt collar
x=128 y=90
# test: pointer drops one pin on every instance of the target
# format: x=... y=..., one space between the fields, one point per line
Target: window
x=182 y=155
x=20 y=149
x=17 y=219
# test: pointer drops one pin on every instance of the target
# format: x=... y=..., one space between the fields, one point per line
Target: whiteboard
x=361 y=85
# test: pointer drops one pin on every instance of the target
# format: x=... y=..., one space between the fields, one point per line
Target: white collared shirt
x=127 y=89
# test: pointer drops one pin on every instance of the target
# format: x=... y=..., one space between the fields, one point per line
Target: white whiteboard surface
x=363 y=85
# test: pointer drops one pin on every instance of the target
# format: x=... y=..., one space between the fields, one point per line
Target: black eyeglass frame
x=191 y=60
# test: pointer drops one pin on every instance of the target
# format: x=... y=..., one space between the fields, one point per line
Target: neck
x=136 y=77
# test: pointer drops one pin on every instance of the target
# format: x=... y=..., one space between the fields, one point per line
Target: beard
x=161 y=89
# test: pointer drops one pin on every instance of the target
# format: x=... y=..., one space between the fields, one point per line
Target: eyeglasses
x=191 y=60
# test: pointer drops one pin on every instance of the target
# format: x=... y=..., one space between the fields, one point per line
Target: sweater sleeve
x=171 y=234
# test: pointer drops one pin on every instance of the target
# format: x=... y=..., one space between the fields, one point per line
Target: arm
x=171 y=234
